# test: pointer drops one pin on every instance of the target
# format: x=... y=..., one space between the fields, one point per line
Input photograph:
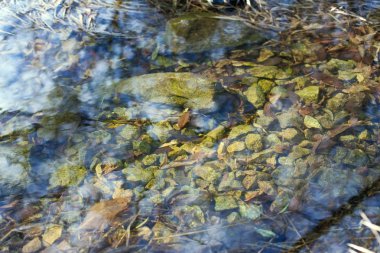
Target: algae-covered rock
x=265 y=54
x=160 y=230
x=150 y=159
x=228 y=182
x=337 y=102
x=68 y=175
x=270 y=72
x=236 y=146
x=239 y=130
x=250 y=211
x=305 y=51
x=178 y=89
x=254 y=142
x=198 y=32
x=298 y=152
x=138 y=174
x=249 y=181
x=255 y=95
x=289 y=134
x=289 y=119
x=129 y=132
x=207 y=173
x=326 y=120
x=233 y=217
x=347 y=75
x=160 y=131
x=217 y=132
x=347 y=138
x=364 y=135
x=267 y=187
x=339 y=153
x=53 y=232
x=309 y=94
x=340 y=64
x=266 y=85
x=279 y=91
x=356 y=157
x=311 y=122
x=14 y=167
x=281 y=201
x=193 y=216
x=263 y=120
x=223 y=203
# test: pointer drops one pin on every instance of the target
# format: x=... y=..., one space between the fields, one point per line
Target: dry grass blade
x=374 y=228
x=360 y=249
x=371 y=226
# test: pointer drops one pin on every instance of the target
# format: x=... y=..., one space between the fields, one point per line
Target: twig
x=298 y=233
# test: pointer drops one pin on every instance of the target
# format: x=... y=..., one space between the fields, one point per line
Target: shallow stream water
x=118 y=136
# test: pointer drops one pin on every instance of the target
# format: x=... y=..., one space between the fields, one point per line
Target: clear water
x=59 y=62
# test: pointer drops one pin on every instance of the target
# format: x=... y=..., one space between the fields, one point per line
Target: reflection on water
x=120 y=131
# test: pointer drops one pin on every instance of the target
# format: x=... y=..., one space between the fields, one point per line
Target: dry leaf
x=103 y=213
x=184 y=119
x=327 y=79
x=340 y=129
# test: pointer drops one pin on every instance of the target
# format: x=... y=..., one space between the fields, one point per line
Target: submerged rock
x=289 y=119
x=228 y=182
x=309 y=94
x=289 y=134
x=254 y=142
x=160 y=131
x=68 y=175
x=340 y=64
x=138 y=174
x=14 y=167
x=207 y=173
x=198 y=32
x=311 y=122
x=337 y=102
x=178 y=89
x=255 y=95
x=236 y=146
x=129 y=132
x=223 y=203
x=250 y=211
x=240 y=130
x=356 y=157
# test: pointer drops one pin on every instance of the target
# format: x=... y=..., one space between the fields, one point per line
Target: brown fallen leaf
x=340 y=129
x=327 y=79
x=305 y=110
x=10 y=205
x=322 y=142
x=184 y=119
x=101 y=214
x=268 y=110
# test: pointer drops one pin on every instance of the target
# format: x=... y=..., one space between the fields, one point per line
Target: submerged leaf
x=184 y=119
x=265 y=232
x=103 y=213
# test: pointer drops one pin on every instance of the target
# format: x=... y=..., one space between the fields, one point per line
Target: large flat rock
x=178 y=89
x=198 y=32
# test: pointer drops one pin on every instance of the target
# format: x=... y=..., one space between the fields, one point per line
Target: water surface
x=272 y=166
